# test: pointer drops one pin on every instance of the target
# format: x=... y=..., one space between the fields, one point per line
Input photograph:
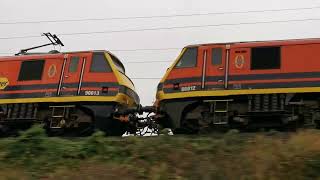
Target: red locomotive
x=66 y=91
x=245 y=84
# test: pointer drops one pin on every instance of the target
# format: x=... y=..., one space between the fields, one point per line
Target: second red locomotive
x=249 y=84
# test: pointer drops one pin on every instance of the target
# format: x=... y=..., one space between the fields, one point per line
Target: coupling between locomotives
x=140 y=119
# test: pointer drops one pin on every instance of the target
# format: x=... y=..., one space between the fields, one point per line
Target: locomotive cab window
x=118 y=64
x=31 y=70
x=265 y=58
x=216 y=56
x=74 y=62
x=99 y=63
x=188 y=59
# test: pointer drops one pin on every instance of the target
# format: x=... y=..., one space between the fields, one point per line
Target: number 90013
x=92 y=93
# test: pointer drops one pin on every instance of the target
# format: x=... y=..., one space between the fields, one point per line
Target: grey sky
x=37 y=10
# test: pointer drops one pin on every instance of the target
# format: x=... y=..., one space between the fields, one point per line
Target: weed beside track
x=232 y=155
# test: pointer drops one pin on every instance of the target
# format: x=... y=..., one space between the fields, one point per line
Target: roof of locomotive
x=53 y=54
x=50 y=54
x=264 y=43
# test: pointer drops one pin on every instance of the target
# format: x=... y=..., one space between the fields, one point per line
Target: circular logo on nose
x=239 y=61
x=52 y=70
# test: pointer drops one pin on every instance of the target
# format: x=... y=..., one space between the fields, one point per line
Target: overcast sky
x=45 y=10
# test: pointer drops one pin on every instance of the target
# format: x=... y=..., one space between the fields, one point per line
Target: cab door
x=72 y=75
x=216 y=67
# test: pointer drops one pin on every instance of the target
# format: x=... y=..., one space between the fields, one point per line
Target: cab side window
x=73 y=67
x=118 y=64
x=31 y=70
x=188 y=59
x=216 y=56
x=99 y=63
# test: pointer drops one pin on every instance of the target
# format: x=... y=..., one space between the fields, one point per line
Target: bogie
x=269 y=111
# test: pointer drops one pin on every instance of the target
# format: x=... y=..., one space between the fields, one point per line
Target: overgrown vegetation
x=233 y=155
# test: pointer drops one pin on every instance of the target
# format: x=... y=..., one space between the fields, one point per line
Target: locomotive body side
x=241 y=83
x=64 y=91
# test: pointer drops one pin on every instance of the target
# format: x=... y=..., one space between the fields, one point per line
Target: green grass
x=274 y=155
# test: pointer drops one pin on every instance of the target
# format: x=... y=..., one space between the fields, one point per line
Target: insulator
x=15 y=110
x=265 y=102
x=249 y=103
x=274 y=102
x=29 y=110
x=257 y=102
x=22 y=110
x=9 y=111
x=35 y=111
x=282 y=100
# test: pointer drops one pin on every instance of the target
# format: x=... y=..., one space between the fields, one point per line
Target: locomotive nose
x=160 y=87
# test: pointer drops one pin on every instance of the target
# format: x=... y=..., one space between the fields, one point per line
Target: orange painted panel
x=300 y=58
x=11 y=68
x=294 y=59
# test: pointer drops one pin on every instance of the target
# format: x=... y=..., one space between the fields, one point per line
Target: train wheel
x=317 y=125
x=77 y=123
x=116 y=128
x=85 y=129
x=189 y=126
x=291 y=127
x=110 y=126
x=195 y=120
x=4 y=131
